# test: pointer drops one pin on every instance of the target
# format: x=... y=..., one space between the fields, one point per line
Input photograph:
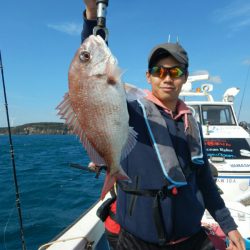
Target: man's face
x=167 y=89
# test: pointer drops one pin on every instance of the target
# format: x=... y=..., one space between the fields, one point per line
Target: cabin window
x=217 y=115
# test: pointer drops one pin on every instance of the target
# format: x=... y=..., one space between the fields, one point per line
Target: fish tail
x=111 y=179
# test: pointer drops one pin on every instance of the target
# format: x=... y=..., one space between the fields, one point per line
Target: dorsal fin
x=66 y=112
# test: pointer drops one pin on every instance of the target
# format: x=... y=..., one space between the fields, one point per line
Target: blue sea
x=52 y=194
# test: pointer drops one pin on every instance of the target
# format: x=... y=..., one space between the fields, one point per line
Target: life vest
x=110 y=223
x=165 y=152
x=107 y=213
x=159 y=177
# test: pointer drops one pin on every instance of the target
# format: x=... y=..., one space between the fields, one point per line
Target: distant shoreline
x=42 y=128
x=39 y=128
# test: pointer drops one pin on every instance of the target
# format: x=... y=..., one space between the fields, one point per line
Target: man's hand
x=236 y=242
x=91 y=9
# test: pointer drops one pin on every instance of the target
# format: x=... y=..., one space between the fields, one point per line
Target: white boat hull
x=86 y=233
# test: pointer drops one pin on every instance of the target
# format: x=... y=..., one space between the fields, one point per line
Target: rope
x=88 y=245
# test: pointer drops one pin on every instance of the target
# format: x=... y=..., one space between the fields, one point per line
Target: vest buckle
x=174 y=191
x=161 y=194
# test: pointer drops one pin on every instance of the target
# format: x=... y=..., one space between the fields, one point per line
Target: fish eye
x=84 y=56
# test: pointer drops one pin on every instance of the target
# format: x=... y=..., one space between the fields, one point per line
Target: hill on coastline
x=38 y=128
x=56 y=128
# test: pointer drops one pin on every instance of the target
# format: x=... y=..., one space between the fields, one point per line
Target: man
x=171 y=181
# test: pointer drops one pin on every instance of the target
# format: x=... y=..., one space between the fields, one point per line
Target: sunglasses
x=162 y=72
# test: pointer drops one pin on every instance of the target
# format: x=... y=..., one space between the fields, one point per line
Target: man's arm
x=88 y=26
x=91 y=9
x=90 y=20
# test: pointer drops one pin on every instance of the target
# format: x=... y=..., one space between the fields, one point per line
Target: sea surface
x=52 y=194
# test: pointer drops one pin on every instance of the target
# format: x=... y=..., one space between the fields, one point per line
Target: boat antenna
x=169 y=38
x=18 y=205
x=244 y=90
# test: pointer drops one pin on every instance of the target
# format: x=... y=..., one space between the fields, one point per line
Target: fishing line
x=6 y=226
x=18 y=205
x=84 y=172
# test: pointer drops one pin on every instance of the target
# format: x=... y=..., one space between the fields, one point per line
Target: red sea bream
x=95 y=108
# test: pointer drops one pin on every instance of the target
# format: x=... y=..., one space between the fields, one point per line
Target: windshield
x=214 y=114
x=230 y=148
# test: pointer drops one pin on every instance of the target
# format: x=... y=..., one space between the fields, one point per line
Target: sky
x=38 y=39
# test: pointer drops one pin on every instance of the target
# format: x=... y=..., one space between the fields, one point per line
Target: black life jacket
x=158 y=174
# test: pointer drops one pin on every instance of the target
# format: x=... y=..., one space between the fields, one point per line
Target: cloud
x=240 y=25
x=199 y=72
x=215 y=79
x=235 y=15
x=236 y=9
x=246 y=61
x=211 y=79
x=69 y=28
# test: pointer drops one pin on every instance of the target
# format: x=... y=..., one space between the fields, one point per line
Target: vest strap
x=112 y=216
x=162 y=193
x=159 y=194
x=158 y=219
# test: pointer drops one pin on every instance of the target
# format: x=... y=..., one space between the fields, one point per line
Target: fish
x=95 y=107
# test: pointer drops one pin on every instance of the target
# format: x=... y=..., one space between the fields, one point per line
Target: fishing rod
x=18 y=205
x=92 y=168
x=101 y=19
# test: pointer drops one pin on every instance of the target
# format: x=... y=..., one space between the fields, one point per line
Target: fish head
x=92 y=59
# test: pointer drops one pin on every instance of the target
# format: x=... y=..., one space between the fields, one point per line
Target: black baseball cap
x=165 y=49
